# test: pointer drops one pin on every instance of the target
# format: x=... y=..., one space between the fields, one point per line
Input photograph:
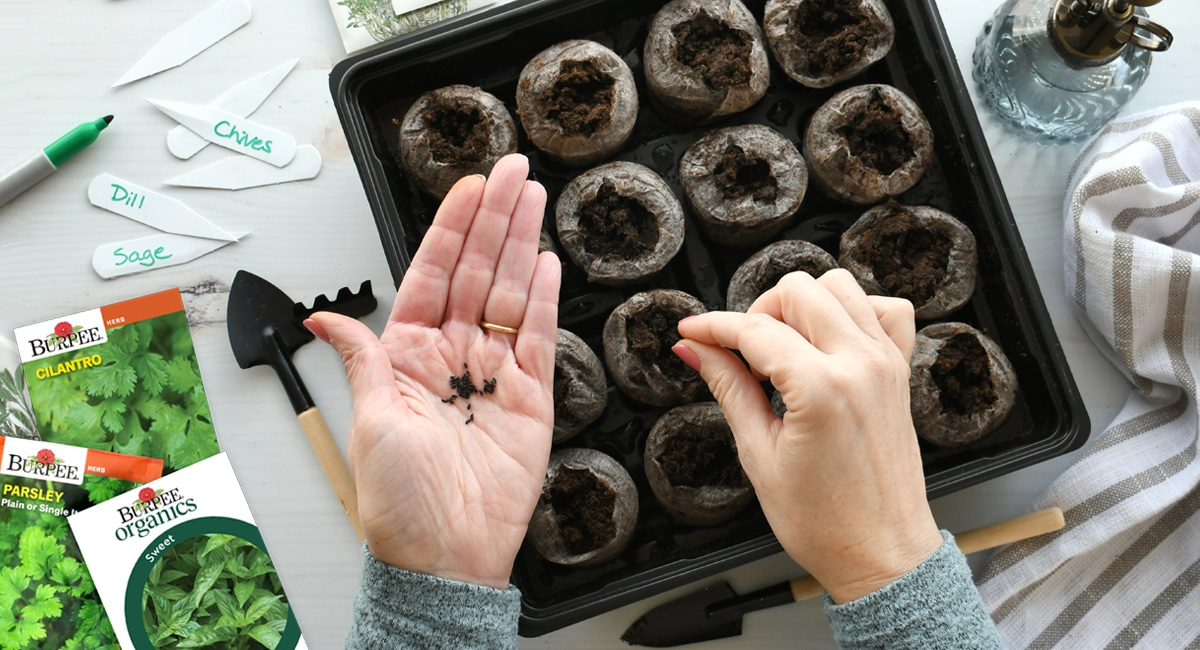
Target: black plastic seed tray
x=375 y=89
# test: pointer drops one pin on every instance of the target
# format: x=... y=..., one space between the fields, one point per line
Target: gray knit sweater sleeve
x=400 y=610
x=933 y=607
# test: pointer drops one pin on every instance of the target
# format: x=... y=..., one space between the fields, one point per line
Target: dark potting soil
x=718 y=52
x=963 y=376
x=583 y=507
x=458 y=132
x=582 y=98
x=739 y=174
x=774 y=272
x=699 y=456
x=877 y=138
x=652 y=332
x=833 y=34
x=910 y=261
x=617 y=226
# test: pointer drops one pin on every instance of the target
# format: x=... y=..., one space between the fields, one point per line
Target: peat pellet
x=638 y=337
x=588 y=509
x=962 y=386
x=578 y=102
x=820 y=43
x=692 y=466
x=620 y=223
x=917 y=253
x=580 y=390
x=705 y=59
x=454 y=132
x=744 y=183
x=764 y=269
x=868 y=143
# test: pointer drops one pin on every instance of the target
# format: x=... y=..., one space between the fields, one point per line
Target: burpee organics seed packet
x=179 y=563
x=119 y=382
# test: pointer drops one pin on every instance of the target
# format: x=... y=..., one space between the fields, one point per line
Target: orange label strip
x=129 y=468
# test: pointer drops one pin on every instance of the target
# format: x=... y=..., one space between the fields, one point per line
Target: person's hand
x=439 y=491
x=839 y=476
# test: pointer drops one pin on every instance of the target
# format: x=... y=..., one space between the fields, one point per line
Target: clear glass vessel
x=1059 y=70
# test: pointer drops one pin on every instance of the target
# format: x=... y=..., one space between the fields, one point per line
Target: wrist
x=857 y=574
x=495 y=579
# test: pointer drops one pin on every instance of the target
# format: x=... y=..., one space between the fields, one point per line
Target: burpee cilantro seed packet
x=179 y=563
x=121 y=378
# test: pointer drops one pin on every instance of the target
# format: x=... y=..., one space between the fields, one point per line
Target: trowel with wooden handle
x=266 y=328
x=715 y=612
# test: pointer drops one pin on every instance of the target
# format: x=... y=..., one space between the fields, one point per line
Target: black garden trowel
x=266 y=328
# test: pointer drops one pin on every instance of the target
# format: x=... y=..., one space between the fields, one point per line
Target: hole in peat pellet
x=908 y=260
x=876 y=137
x=695 y=457
x=617 y=226
x=457 y=132
x=833 y=34
x=718 y=52
x=652 y=332
x=582 y=98
x=739 y=174
x=583 y=507
x=561 y=386
x=963 y=376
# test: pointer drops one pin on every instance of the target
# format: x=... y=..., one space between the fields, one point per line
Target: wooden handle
x=332 y=462
x=972 y=541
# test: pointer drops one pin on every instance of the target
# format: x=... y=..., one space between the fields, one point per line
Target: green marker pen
x=32 y=171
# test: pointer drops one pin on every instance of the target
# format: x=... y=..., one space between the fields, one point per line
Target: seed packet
x=16 y=414
x=179 y=563
x=121 y=378
x=116 y=382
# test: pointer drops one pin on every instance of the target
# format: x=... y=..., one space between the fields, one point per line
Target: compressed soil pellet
x=578 y=102
x=705 y=59
x=580 y=390
x=917 y=253
x=744 y=183
x=692 y=466
x=638 y=337
x=962 y=386
x=764 y=269
x=454 y=132
x=868 y=143
x=820 y=43
x=620 y=223
x=587 y=511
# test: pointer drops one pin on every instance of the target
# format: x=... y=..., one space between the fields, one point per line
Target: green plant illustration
x=47 y=598
x=382 y=23
x=214 y=591
x=145 y=398
x=16 y=414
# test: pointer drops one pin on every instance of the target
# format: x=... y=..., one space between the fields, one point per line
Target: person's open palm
x=447 y=488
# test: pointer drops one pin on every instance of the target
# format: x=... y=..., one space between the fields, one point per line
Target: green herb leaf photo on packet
x=214 y=591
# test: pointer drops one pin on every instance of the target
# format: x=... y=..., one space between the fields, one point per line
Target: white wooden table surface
x=57 y=61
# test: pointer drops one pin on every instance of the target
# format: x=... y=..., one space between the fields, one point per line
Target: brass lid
x=1096 y=31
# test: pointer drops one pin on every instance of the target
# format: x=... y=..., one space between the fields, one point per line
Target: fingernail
x=318 y=331
x=481 y=177
x=687 y=356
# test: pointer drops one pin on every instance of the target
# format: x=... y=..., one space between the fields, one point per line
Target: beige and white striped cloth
x=1125 y=572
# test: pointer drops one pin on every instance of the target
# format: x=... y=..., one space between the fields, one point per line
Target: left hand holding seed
x=443 y=489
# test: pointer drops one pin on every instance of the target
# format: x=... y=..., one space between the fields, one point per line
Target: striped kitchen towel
x=1125 y=572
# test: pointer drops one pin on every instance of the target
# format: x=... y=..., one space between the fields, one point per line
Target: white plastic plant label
x=190 y=39
x=153 y=252
x=146 y=206
x=241 y=100
x=232 y=132
x=241 y=172
x=179 y=562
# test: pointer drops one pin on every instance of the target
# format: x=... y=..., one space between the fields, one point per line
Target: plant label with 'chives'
x=232 y=132
x=180 y=563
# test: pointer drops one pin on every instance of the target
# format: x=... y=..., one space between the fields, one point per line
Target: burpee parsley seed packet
x=180 y=563
x=109 y=387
